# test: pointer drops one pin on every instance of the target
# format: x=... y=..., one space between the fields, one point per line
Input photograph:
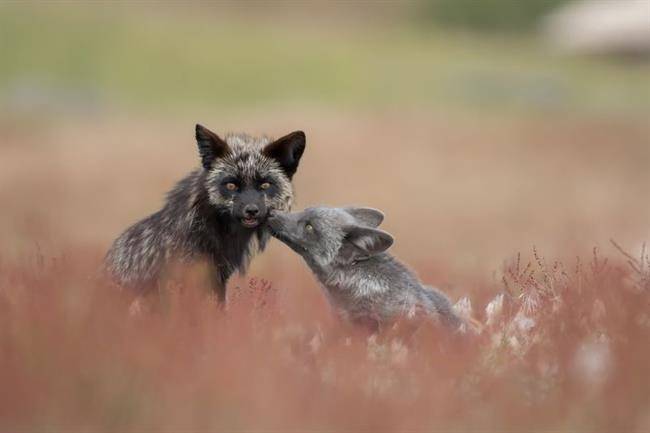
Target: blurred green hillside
x=487 y=15
x=173 y=57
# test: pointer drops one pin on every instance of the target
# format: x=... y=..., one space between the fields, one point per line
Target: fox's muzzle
x=250 y=209
x=283 y=228
x=275 y=223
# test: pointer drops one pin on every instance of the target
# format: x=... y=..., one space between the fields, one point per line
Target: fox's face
x=248 y=177
x=331 y=236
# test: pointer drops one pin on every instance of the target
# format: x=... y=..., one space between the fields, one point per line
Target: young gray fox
x=364 y=283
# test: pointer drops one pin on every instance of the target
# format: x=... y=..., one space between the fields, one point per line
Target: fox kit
x=347 y=254
x=215 y=214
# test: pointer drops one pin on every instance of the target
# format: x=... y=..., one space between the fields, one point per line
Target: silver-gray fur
x=215 y=214
x=347 y=254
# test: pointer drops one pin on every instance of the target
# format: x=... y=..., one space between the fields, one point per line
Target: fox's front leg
x=218 y=279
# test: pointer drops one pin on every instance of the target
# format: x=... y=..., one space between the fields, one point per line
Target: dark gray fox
x=347 y=253
x=215 y=214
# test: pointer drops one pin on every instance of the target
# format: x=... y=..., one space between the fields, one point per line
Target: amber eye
x=309 y=228
x=231 y=186
x=265 y=185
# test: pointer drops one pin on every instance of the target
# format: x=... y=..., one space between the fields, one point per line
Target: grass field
x=564 y=349
x=476 y=147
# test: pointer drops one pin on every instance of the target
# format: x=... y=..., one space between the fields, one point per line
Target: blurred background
x=481 y=128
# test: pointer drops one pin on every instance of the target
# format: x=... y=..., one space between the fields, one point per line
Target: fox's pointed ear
x=361 y=243
x=365 y=215
x=211 y=146
x=287 y=151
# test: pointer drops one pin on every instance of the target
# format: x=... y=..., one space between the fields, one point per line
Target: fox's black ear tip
x=299 y=136
x=301 y=140
x=201 y=132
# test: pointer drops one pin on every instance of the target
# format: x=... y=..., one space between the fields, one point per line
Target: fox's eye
x=309 y=228
x=230 y=186
x=265 y=185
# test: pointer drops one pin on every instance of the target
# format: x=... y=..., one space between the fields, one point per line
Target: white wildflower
x=464 y=308
x=523 y=323
x=399 y=352
x=136 y=308
x=494 y=309
x=530 y=301
x=592 y=362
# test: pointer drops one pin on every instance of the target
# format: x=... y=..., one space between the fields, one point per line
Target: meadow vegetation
x=563 y=348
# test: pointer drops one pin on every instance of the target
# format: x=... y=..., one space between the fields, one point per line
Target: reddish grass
x=568 y=352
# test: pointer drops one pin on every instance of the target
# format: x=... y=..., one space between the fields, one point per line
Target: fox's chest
x=222 y=245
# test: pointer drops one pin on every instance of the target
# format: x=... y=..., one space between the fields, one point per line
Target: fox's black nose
x=251 y=210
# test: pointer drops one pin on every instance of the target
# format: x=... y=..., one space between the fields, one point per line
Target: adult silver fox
x=347 y=253
x=215 y=214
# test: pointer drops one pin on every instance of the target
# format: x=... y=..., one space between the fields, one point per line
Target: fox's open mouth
x=250 y=222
